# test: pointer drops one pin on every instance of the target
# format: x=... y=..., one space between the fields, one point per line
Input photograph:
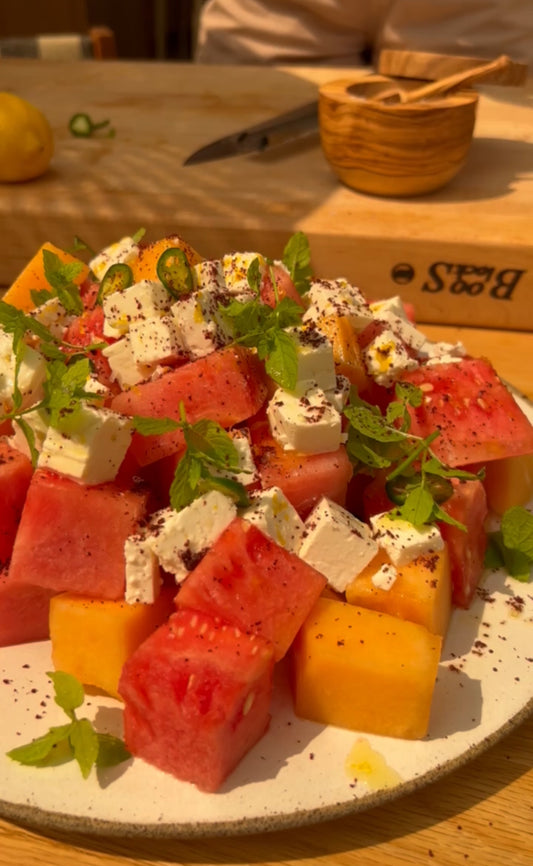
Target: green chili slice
x=82 y=126
x=117 y=277
x=175 y=272
x=398 y=488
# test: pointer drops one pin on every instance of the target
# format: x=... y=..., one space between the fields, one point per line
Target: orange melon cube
x=509 y=482
x=92 y=638
x=363 y=670
x=33 y=277
x=346 y=350
x=144 y=265
x=421 y=591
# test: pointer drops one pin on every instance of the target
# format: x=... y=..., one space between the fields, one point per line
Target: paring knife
x=278 y=130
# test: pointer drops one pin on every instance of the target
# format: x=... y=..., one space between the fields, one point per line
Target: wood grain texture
x=479 y=815
x=423 y=65
x=462 y=255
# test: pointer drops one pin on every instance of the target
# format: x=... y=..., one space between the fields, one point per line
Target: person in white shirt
x=353 y=32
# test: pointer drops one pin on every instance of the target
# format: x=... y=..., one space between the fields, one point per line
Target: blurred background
x=144 y=29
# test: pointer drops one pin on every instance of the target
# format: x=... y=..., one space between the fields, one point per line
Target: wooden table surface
x=462 y=254
x=478 y=815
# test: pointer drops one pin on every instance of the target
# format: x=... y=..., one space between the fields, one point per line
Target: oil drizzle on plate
x=364 y=764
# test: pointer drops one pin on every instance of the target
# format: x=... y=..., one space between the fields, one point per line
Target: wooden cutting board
x=462 y=255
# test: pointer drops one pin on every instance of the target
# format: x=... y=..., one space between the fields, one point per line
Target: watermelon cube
x=71 y=537
x=15 y=476
x=249 y=580
x=197 y=697
x=24 y=611
x=226 y=386
x=303 y=478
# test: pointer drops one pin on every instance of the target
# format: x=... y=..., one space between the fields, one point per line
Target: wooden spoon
x=445 y=85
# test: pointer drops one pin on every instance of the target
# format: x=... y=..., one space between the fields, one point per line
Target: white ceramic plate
x=300 y=772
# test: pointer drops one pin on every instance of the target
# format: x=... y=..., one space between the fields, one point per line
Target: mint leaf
x=297 y=259
x=373 y=426
x=84 y=741
x=254 y=275
x=61 y=276
x=517 y=530
x=511 y=547
x=154 y=426
x=65 y=392
x=40 y=296
x=36 y=752
x=282 y=360
x=69 y=694
x=418 y=507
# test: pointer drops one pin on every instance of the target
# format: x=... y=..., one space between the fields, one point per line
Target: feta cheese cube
x=143 y=575
x=389 y=306
x=125 y=369
x=340 y=395
x=305 y=421
x=180 y=539
x=200 y=326
x=123 y=251
x=336 y=543
x=403 y=542
x=386 y=356
x=93 y=451
x=94 y=386
x=316 y=364
x=141 y=301
x=404 y=330
x=385 y=576
x=154 y=340
x=209 y=274
x=273 y=514
x=53 y=316
x=30 y=377
x=248 y=472
x=337 y=298
x=442 y=353
x=235 y=269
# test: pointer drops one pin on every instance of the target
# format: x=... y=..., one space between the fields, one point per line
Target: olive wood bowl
x=393 y=148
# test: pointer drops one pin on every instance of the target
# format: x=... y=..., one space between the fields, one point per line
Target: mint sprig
x=61 y=275
x=511 y=547
x=416 y=481
x=262 y=327
x=64 y=392
x=210 y=450
x=76 y=740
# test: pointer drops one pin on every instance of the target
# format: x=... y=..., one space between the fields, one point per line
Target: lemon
x=26 y=139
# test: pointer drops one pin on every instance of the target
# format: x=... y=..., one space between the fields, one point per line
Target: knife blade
x=277 y=130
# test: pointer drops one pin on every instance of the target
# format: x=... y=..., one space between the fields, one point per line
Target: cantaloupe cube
x=92 y=638
x=32 y=277
x=509 y=482
x=421 y=591
x=346 y=350
x=364 y=670
x=144 y=266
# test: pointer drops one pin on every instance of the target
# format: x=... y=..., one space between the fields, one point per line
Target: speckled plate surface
x=300 y=772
